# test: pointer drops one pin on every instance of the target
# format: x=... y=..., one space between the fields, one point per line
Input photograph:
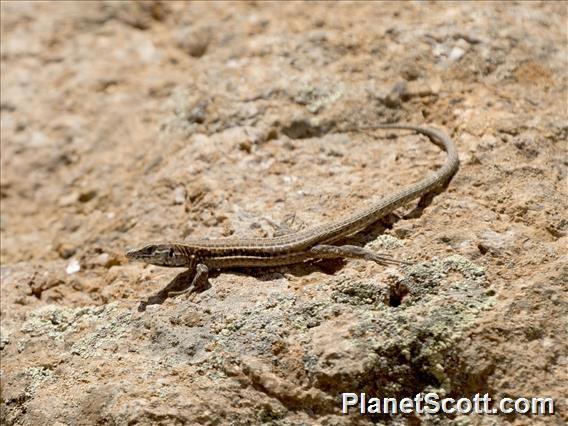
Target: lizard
x=202 y=255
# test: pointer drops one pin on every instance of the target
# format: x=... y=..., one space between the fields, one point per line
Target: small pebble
x=106 y=260
x=87 y=195
x=65 y=250
x=68 y=199
x=73 y=266
x=194 y=41
x=179 y=195
x=102 y=259
x=456 y=53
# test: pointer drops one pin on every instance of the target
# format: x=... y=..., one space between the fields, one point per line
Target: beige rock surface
x=124 y=123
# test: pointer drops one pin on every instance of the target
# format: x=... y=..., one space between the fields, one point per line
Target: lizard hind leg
x=289 y=225
x=325 y=251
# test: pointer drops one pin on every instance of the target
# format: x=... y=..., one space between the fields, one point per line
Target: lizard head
x=160 y=255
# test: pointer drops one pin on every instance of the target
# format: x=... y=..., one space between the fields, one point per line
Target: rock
x=87 y=196
x=68 y=199
x=194 y=41
x=131 y=122
x=73 y=267
x=4 y=338
x=105 y=260
x=102 y=259
x=66 y=250
x=180 y=195
x=456 y=53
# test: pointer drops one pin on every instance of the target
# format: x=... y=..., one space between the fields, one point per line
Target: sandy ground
x=126 y=123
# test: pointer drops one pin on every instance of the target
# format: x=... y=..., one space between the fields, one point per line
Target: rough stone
x=129 y=122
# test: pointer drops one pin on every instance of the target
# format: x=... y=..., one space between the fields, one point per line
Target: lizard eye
x=171 y=253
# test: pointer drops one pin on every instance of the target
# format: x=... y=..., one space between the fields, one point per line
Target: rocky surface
x=124 y=123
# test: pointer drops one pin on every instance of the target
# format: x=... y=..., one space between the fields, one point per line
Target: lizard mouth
x=135 y=255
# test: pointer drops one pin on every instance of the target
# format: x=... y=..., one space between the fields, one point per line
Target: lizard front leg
x=199 y=280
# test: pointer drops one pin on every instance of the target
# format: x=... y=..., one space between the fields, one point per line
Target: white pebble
x=179 y=195
x=456 y=53
x=73 y=266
